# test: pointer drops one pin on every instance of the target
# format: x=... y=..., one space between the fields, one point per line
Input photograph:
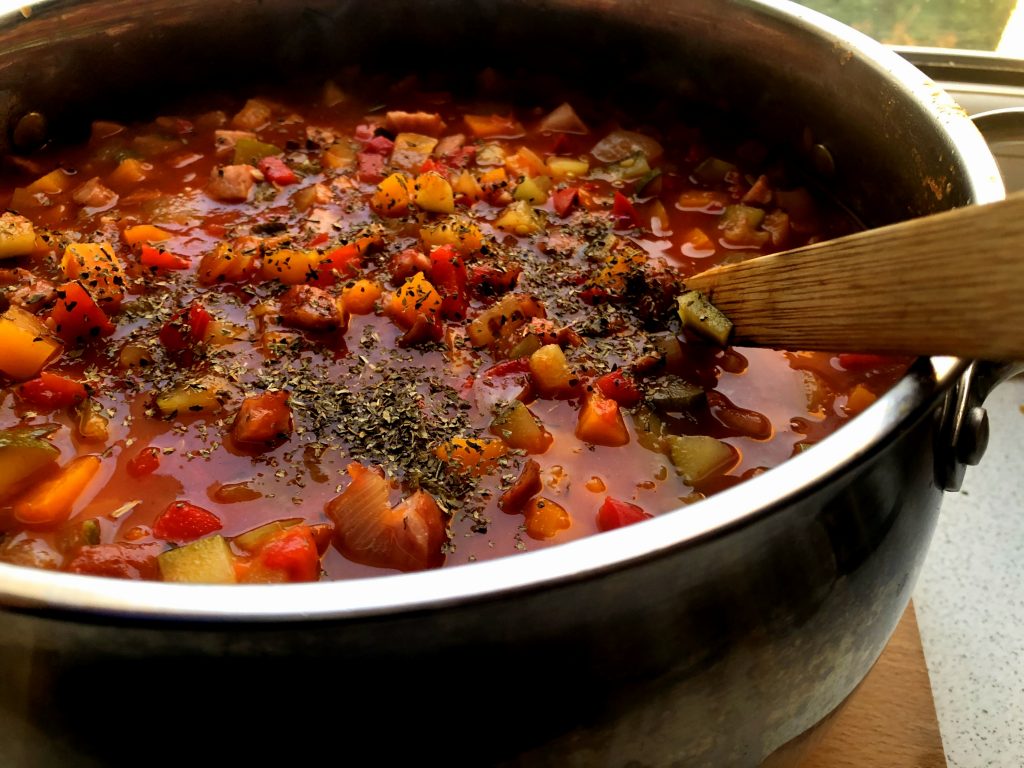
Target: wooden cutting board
x=888 y=721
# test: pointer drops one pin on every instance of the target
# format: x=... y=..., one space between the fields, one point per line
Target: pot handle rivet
x=29 y=132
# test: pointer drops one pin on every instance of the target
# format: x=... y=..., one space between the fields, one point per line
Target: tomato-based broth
x=289 y=339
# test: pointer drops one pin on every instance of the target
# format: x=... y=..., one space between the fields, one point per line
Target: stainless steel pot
x=710 y=636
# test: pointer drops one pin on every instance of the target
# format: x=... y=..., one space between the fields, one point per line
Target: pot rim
x=98 y=598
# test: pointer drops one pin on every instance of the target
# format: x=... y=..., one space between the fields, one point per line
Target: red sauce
x=251 y=375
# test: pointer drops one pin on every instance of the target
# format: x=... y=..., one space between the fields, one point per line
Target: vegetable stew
x=295 y=338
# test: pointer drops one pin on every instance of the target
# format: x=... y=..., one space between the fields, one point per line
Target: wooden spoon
x=947 y=284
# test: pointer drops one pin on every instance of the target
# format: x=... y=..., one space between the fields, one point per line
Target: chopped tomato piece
x=341 y=263
x=76 y=318
x=620 y=387
x=186 y=328
x=600 y=421
x=487 y=280
x=449 y=278
x=50 y=391
x=408 y=537
x=145 y=462
x=615 y=514
x=156 y=258
x=183 y=521
x=263 y=418
x=276 y=171
x=290 y=555
x=508 y=367
x=564 y=199
x=624 y=212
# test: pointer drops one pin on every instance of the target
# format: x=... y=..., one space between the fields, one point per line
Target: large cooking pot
x=711 y=636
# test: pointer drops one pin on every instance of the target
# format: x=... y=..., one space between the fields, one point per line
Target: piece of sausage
x=427 y=123
x=231 y=183
x=312 y=309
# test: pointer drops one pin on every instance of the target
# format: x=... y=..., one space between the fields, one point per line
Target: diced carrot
x=263 y=419
x=545 y=518
x=145 y=233
x=600 y=421
x=478 y=455
x=494 y=126
x=51 y=501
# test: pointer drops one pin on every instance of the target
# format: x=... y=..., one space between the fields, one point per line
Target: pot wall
x=701 y=650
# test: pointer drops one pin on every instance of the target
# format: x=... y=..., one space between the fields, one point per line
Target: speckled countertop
x=970 y=600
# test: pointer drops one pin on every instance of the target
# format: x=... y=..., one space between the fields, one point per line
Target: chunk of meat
x=120 y=561
x=26 y=290
x=94 y=194
x=231 y=183
x=312 y=309
x=526 y=486
x=450 y=145
x=254 y=115
x=429 y=123
x=321 y=137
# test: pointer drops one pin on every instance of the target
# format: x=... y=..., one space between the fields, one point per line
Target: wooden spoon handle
x=947 y=284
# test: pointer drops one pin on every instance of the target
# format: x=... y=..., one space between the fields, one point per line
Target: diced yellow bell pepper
x=360 y=298
x=145 y=233
x=96 y=266
x=524 y=162
x=567 y=167
x=545 y=518
x=52 y=183
x=27 y=344
x=129 y=172
x=551 y=372
x=289 y=266
x=454 y=230
x=391 y=198
x=434 y=193
x=477 y=455
x=416 y=297
x=520 y=219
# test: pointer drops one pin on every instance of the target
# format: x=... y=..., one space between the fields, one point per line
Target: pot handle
x=965 y=420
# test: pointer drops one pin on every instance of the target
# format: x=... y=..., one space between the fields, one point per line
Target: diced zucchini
x=251 y=151
x=252 y=540
x=739 y=225
x=17 y=235
x=520 y=219
x=713 y=171
x=207 y=394
x=700 y=315
x=206 y=561
x=433 y=193
x=672 y=393
x=633 y=167
x=24 y=451
x=534 y=190
x=519 y=428
x=698 y=457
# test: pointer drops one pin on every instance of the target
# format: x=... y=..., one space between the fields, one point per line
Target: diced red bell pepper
x=370 y=168
x=624 y=212
x=50 y=391
x=319 y=240
x=292 y=552
x=448 y=276
x=379 y=145
x=431 y=165
x=145 y=462
x=263 y=419
x=186 y=328
x=156 y=258
x=507 y=368
x=616 y=514
x=487 y=280
x=342 y=262
x=852 y=361
x=621 y=388
x=76 y=318
x=183 y=521
x=276 y=171
x=564 y=199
